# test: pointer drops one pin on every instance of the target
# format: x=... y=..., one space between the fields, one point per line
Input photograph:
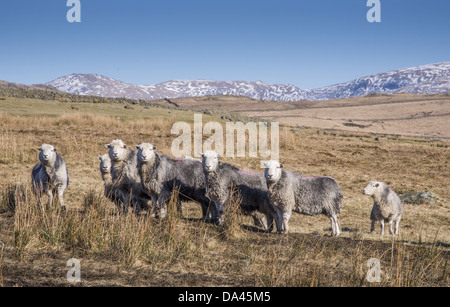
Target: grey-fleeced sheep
x=309 y=195
x=387 y=206
x=160 y=175
x=221 y=178
x=105 y=171
x=126 y=182
x=50 y=174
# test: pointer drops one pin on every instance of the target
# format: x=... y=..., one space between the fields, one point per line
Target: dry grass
x=130 y=249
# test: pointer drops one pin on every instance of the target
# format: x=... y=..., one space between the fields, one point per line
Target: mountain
x=426 y=79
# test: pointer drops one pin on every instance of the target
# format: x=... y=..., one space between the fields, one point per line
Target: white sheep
x=309 y=195
x=50 y=174
x=387 y=206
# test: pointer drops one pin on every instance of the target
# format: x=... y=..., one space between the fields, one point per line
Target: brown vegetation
x=138 y=250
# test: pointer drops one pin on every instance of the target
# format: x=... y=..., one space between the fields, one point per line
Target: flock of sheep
x=146 y=179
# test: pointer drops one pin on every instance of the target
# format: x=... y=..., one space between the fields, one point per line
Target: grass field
x=130 y=250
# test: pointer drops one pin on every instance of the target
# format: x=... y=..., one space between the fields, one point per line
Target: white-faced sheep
x=387 y=206
x=160 y=175
x=105 y=171
x=126 y=182
x=50 y=174
x=309 y=195
x=221 y=178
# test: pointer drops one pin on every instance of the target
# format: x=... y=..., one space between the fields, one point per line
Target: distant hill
x=426 y=79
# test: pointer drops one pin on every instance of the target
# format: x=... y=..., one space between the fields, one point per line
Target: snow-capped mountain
x=426 y=79
x=98 y=85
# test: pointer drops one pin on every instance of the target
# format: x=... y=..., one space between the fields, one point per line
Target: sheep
x=309 y=195
x=126 y=182
x=105 y=171
x=221 y=178
x=160 y=175
x=387 y=206
x=50 y=174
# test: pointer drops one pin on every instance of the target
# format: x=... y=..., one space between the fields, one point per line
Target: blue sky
x=310 y=44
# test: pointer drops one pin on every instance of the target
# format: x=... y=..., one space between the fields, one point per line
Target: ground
x=184 y=251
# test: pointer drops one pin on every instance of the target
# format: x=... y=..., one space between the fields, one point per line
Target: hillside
x=425 y=79
x=118 y=250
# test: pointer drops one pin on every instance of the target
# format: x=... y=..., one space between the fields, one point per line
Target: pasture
x=138 y=250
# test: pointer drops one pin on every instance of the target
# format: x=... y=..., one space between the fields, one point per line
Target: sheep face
x=146 y=152
x=372 y=187
x=117 y=150
x=273 y=170
x=105 y=163
x=210 y=161
x=47 y=153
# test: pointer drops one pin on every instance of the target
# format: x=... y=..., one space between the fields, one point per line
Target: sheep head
x=210 y=161
x=105 y=163
x=47 y=154
x=146 y=152
x=273 y=170
x=373 y=187
x=118 y=150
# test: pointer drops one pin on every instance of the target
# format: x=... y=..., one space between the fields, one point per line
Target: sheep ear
x=201 y=154
x=281 y=165
x=263 y=164
x=108 y=145
x=99 y=157
x=219 y=156
x=40 y=148
x=154 y=147
x=377 y=185
x=54 y=149
x=136 y=146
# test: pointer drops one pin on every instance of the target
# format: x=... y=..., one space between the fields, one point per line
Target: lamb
x=387 y=206
x=126 y=182
x=221 y=178
x=309 y=195
x=160 y=175
x=50 y=174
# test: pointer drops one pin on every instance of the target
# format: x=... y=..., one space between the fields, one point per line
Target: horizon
x=210 y=80
x=307 y=44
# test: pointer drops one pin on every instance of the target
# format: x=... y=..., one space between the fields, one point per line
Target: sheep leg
x=279 y=221
x=286 y=217
x=220 y=209
x=61 y=200
x=334 y=226
x=382 y=227
x=397 y=223
x=162 y=207
x=372 y=226
x=50 y=197
x=390 y=227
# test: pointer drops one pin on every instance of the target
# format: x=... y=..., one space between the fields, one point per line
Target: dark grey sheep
x=160 y=175
x=290 y=191
x=126 y=182
x=221 y=178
